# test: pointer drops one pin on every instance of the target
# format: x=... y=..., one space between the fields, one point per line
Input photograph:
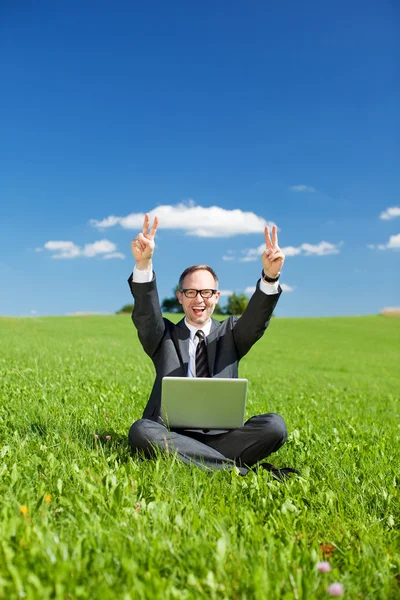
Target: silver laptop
x=203 y=403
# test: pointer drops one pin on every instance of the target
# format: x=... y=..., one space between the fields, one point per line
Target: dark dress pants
x=243 y=447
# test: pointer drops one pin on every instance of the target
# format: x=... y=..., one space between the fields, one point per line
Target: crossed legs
x=243 y=447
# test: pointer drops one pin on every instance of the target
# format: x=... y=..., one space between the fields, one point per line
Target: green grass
x=103 y=525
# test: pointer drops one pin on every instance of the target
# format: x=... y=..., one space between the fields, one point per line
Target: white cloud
x=67 y=249
x=34 y=312
x=248 y=258
x=287 y=288
x=291 y=251
x=302 y=188
x=321 y=249
x=224 y=293
x=394 y=241
x=114 y=255
x=100 y=247
x=198 y=221
x=63 y=249
x=226 y=257
x=390 y=213
x=393 y=244
x=109 y=222
x=250 y=289
x=251 y=254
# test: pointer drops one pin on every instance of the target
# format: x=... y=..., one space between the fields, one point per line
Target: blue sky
x=282 y=112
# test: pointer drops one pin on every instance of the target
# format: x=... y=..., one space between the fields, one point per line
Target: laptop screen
x=203 y=403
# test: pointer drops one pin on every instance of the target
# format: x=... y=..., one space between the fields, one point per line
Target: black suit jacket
x=167 y=343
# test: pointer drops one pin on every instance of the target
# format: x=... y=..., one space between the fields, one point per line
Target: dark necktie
x=201 y=356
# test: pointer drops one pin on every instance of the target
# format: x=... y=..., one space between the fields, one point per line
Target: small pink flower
x=336 y=589
x=324 y=567
x=108 y=437
x=96 y=437
x=106 y=418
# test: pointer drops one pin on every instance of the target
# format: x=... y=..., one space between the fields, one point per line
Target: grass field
x=81 y=519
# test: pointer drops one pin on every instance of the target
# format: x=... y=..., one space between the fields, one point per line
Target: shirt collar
x=206 y=329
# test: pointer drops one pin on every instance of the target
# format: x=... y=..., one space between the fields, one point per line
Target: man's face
x=198 y=310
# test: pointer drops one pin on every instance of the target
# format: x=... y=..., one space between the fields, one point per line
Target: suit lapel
x=183 y=335
x=212 y=340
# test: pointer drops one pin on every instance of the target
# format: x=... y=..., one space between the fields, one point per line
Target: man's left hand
x=272 y=258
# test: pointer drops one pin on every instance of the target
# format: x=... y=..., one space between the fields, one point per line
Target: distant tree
x=127 y=308
x=237 y=304
x=171 y=305
x=219 y=310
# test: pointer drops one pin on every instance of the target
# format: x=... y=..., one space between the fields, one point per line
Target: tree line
x=235 y=305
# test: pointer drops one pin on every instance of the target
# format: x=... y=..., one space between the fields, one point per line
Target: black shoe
x=278 y=473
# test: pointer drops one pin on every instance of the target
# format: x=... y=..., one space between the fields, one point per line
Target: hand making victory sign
x=143 y=245
x=272 y=258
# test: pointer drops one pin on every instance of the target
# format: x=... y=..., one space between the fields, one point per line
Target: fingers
x=136 y=245
x=141 y=242
x=274 y=253
x=274 y=242
x=273 y=257
x=154 y=228
x=268 y=242
x=146 y=221
x=274 y=235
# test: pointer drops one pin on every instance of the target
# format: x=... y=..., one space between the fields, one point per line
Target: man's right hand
x=143 y=245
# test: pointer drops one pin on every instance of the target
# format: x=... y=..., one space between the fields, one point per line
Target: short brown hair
x=195 y=268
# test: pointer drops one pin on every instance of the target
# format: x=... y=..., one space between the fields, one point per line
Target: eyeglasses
x=203 y=293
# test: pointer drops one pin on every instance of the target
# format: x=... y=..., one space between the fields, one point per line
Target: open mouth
x=198 y=311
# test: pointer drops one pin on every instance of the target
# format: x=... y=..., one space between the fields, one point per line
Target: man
x=173 y=350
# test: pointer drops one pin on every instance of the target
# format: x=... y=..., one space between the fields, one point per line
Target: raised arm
x=255 y=319
x=146 y=314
